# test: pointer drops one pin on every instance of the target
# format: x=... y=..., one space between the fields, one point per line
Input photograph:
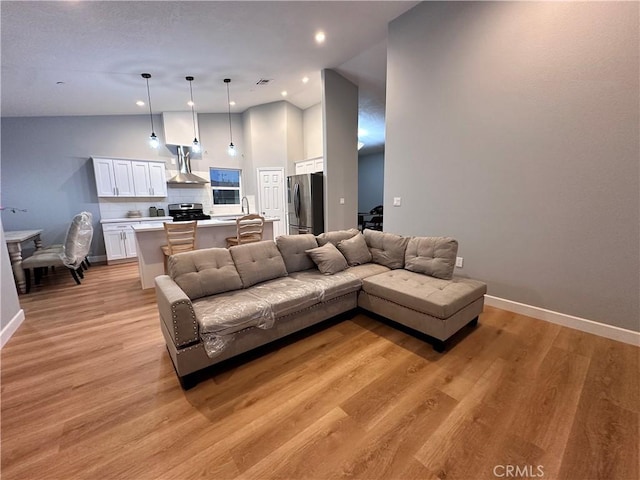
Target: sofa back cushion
x=258 y=262
x=205 y=272
x=292 y=248
x=336 y=236
x=434 y=256
x=355 y=250
x=386 y=248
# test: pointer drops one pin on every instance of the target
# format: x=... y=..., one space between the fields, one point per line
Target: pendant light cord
x=149 y=97
x=227 y=81
x=193 y=115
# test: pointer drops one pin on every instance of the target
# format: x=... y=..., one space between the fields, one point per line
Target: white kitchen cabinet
x=129 y=178
x=119 y=241
x=149 y=179
x=309 y=166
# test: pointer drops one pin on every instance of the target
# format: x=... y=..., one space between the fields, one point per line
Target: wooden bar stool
x=248 y=229
x=181 y=237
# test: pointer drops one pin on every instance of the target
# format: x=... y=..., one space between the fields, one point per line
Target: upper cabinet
x=309 y=166
x=129 y=178
x=149 y=179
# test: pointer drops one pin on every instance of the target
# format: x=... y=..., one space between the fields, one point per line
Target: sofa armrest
x=176 y=311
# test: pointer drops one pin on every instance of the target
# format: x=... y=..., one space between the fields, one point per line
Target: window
x=226 y=184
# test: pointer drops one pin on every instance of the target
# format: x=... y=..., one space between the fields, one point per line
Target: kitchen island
x=210 y=233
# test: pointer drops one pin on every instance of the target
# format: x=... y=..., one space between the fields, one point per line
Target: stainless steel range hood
x=184 y=175
x=178 y=135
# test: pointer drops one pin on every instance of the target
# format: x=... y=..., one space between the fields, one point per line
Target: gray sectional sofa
x=217 y=303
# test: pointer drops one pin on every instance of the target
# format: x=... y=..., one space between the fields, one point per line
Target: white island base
x=210 y=233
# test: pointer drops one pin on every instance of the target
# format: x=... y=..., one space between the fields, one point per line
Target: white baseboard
x=11 y=327
x=577 y=323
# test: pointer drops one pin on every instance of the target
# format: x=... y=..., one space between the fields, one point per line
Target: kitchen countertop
x=136 y=219
x=214 y=222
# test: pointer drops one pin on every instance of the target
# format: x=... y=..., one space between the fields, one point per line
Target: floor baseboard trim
x=577 y=323
x=11 y=327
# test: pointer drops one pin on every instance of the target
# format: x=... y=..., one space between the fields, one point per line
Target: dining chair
x=74 y=251
x=59 y=248
x=181 y=237
x=249 y=228
x=375 y=222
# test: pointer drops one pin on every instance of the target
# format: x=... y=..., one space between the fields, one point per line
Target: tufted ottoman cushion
x=432 y=296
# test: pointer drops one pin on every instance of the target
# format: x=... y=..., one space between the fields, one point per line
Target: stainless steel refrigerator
x=305 y=195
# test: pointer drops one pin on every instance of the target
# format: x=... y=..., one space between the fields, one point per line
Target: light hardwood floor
x=89 y=392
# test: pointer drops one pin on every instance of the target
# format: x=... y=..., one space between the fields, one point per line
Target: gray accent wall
x=514 y=127
x=46 y=166
x=340 y=136
x=370 y=181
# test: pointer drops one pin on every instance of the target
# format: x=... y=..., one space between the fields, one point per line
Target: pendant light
x=196 y=145
x=153 y=140
x=231 y=151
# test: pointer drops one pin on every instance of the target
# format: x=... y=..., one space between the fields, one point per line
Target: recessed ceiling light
x=140 y=103
x=59 y=83
x=190 y=103
x=284 y=93
x=232 y=103
x=305 y=79
x=320 y=37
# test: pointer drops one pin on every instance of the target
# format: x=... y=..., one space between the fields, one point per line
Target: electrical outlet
x=341 y=201
x=459 y=261
x=397 y=201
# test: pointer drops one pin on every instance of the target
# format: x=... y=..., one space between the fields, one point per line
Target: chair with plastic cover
x=74 y=251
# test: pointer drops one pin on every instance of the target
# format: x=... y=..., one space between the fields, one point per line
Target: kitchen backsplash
x=118 y=207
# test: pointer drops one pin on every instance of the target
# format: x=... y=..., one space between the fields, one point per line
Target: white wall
x=340 y=136
x=312 y=126
x=274 y=136
x=10 y=309
x=513 y=126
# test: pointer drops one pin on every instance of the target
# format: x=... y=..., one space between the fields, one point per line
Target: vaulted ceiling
x=86 y=57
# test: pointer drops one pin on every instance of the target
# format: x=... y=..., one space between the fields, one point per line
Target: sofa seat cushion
x=287 y=295
x=292 y=248
x=367 y=270
x=333 y=286
x=258 y=262
x=204 y=272
x=231 y=312
x=432 y=296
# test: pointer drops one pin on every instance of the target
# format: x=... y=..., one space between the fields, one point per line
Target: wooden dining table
x=15 y=239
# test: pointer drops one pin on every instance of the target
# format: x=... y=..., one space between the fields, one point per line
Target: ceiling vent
x=264 y=81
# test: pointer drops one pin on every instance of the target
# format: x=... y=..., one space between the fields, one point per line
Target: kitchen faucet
x=245 y=199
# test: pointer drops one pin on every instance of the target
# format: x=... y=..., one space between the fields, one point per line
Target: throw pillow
x=328 y=259
x=355 y=250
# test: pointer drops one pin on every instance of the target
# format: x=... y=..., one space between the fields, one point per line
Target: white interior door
x=272 y=197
